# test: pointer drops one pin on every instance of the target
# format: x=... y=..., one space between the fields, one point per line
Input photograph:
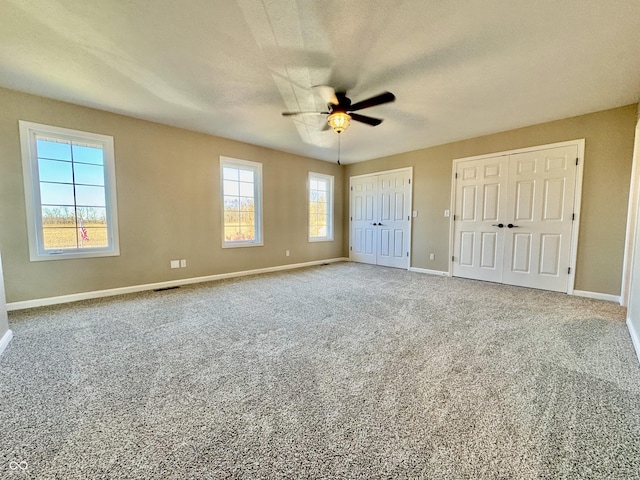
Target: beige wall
x=168 y=204
x=609 y=139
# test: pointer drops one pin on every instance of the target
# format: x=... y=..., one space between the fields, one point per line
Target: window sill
x=241 y=245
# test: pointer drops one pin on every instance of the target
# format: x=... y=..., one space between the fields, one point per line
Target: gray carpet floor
x=339 y=371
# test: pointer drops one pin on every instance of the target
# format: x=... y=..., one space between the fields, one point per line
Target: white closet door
x=364 y=219
x=541 y=192
x=381 y=218
x=480 y=207
x=394 y=205
x=514 y=218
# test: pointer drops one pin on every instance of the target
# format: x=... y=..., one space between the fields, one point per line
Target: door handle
x=499 y=225
x=511 y=225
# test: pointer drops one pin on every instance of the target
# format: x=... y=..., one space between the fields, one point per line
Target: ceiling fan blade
x=289 y=114
x=364 y=119
x=385 y=97
x=327 y=94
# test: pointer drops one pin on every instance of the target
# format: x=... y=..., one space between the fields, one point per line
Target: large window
x=241 y=202
x=70 y=192
x=320 y=207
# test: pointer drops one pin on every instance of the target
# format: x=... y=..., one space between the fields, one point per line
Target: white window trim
x=257 y=189
x=28 y=132
x=329 y=178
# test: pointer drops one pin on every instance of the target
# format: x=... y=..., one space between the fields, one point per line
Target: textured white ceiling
x=459 y=68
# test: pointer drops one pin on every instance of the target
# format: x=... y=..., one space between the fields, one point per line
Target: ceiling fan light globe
x=339 y=121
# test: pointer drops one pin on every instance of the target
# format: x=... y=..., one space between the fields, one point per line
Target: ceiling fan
x=341 y=110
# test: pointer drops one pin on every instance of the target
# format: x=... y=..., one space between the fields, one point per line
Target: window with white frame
x=70 y=192
x=241 y=202
x=320 y=207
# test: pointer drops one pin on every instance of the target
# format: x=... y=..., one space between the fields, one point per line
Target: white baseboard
x=429 y=272
x=598 y=296
x=635 y=338
x=41 y=302
x=4 y=341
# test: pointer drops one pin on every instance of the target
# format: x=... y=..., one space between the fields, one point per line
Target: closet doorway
x=516 y=216
x=380 y=218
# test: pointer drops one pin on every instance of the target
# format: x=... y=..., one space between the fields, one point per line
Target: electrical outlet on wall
x=183 y=263
x=286 y=253
x=175 y=263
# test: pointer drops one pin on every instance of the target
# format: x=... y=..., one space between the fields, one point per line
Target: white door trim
x=375 y=174
x=383 y=172
x=579 y=143
x=632 y=213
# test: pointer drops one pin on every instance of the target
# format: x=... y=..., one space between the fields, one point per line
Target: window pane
x=59 y=237
x=247 y=233
x=93 y=216
x=230 y=173
x=246 y=189
x=95 y=237
x=246 y=176
x=90 y=196
x=54 y=171
x=322 y=185
x=85 y=154
x=231 y=188
x=247 y=218
x=53 y=150
x=231 y=217
x=231 y=203
x=56 y=194
x=232 y=233
x=246 y=204
x=58 y=215
x=88 y=174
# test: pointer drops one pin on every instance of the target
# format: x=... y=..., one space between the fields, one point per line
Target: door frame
x=375 y=174
x=577 y=200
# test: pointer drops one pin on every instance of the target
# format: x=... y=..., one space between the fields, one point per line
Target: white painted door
x=364 y=219
x=514 y=218
x=381 y=219
x=394 y=206
x=541 y=192
x=479 y=209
